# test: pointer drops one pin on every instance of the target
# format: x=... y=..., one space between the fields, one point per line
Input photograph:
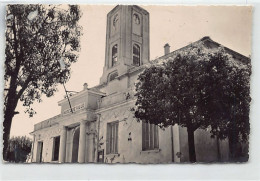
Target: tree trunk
x=8 y=117
x=7 y=127
x=191 y=142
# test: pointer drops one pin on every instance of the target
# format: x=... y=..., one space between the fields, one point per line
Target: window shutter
x=156 y=137
x=114 y=138
x=53 y=147
x=112 y=128
x=147 y=136
x=143 y=135
x=108 y=140
x=116 y=141
x=151 y=146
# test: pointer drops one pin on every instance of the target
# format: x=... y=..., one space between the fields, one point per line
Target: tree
x=197 y=88
x=18 y=149
x=37 y=37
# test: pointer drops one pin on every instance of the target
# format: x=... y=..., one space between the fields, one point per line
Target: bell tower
x=127 y=41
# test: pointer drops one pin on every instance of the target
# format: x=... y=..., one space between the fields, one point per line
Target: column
x=82 y=142
x=62 y=150
x=91 y=147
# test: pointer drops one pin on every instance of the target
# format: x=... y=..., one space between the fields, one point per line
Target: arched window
x=114 y=55
x=136 y=55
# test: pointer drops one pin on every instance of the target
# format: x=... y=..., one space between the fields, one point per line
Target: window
x=150 y=139
x=56 y=148
x=114 y=55
x=136 y=55
x=112 y=137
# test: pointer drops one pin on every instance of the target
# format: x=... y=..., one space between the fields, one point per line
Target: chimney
x=166 y=49
x=85 y=85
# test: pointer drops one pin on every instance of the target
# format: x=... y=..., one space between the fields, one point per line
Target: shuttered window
x=150 y=139
x=112 y=138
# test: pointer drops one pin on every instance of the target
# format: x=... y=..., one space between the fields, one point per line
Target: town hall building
x=100 y=125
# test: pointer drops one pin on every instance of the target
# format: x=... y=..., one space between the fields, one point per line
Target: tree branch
x=26 y=83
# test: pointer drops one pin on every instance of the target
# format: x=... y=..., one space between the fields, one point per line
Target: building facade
x=102 y=127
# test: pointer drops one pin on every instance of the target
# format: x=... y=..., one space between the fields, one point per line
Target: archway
x=75 y=146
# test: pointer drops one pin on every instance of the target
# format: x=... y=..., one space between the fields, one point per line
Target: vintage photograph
x=144 y=84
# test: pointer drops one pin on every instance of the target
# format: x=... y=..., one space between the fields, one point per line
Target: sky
x=176 y=25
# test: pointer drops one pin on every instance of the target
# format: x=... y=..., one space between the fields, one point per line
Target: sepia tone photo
x=144 y=84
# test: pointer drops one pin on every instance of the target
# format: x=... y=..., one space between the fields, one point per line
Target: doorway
x=101 y=156
x=39 y=152
x=75 y=146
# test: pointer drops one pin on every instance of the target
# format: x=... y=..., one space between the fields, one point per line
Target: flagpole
x=62 y=66
x=67 y=97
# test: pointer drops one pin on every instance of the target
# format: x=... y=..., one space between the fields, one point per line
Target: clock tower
x=127 y=41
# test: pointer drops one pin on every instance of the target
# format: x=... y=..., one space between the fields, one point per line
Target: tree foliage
x=18 y=149
x=197 y=88
x=37 y=37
